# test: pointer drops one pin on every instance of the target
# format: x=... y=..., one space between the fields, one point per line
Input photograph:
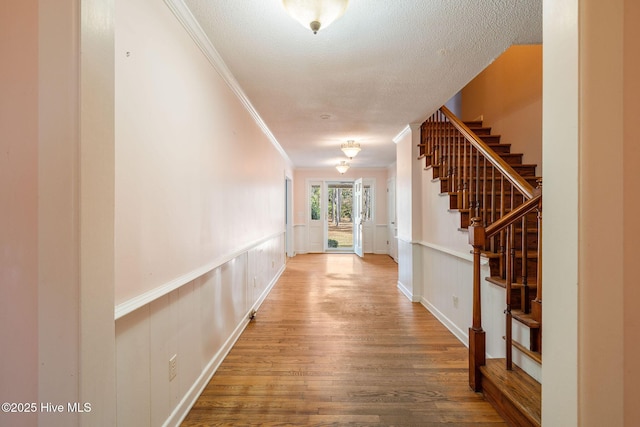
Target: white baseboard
x=407 y=293
x=452 y=327
x=182 y=410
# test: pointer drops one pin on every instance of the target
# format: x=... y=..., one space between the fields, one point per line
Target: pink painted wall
x=196 y=177
x=19 y=207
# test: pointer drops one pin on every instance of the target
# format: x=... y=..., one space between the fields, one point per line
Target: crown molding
x=402 y=134
x=189 y=22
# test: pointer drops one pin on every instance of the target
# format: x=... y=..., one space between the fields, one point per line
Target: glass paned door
x=358 y=217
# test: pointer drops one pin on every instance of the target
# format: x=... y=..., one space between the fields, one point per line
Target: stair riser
x=532 y=244
x=486 y=200
x=508 y=411
x=532 y=269
x=531 y=237
x=516 y=298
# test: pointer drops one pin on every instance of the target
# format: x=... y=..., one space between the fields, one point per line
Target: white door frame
x=356 y=214
x=392 y=226
x=288 y=189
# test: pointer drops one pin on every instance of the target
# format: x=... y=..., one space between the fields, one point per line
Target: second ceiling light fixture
x=350 y=149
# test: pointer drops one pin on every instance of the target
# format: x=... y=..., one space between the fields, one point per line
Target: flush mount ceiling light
x=350 y=149
x=315 y=14
x=342 y=167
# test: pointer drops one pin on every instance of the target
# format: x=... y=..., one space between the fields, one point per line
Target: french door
x=358 y=220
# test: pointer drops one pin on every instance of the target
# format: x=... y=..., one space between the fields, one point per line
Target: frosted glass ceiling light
x=315 y=13
x=342 y=167
x=351 y=149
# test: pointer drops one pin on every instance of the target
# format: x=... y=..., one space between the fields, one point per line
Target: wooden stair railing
x=495 y=195
x=477 y=238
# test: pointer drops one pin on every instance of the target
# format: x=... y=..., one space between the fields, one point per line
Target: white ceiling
x=382 y=65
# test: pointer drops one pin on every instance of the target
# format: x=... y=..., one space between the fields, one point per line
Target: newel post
x=477 y=237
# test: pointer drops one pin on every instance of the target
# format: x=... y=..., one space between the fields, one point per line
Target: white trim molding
x=407 y=293
x=141 y=300
x=452 y=252
x=401 y=134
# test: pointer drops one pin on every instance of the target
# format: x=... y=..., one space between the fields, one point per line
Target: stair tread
x=499 y=281
x=525 y=318
x=531 y=253
x=524 y=392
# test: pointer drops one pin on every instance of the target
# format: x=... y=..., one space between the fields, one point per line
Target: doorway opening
x=339 y=216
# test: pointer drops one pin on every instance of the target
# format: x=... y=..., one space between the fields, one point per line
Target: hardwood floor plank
x=336 y=343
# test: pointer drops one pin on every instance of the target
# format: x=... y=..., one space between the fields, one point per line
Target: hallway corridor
x=336 y=343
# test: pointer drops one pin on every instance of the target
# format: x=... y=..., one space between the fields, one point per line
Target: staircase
x=499 y=200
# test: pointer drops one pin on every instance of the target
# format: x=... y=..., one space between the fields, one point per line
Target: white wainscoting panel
x=407 y=270
x=132 y=361
x=316 y=237
x=198 y=322
x=380 y=239
x=300 y=239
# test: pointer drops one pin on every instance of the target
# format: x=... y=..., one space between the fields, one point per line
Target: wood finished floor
x=336 y=343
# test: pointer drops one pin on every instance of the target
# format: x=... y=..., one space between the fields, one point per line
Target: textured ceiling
x=382 y=65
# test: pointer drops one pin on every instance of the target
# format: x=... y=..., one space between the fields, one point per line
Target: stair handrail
x=513 y=216
x=514 y=177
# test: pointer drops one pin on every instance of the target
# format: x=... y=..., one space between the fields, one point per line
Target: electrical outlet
x=455 y=301
x=173 y=367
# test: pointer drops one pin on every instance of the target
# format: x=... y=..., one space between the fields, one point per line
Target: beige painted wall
x=610 y=184
x=592 y=183
x=600 y=215
x=19 y=205
x=508 y=95
x=631 y=205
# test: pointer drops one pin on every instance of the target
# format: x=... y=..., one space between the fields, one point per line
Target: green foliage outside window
x=315 y=202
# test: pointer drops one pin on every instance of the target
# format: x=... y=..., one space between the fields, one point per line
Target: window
x=315 y=202
x=366 y=203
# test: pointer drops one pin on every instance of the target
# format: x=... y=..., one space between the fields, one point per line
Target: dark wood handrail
x=513 y=216
x=520 y=183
